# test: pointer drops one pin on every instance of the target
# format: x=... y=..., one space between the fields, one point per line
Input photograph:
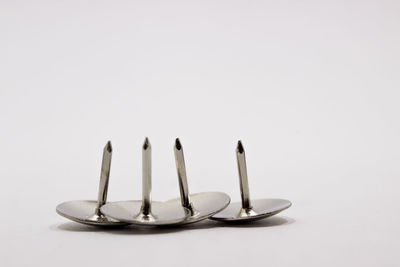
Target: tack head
x=203 y=205
x=162 y=213
x=260 y=209
x=84 y=211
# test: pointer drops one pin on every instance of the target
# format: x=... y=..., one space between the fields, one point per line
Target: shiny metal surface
x=201 y=205
x=261 y=208
x=162 y=213
x=84 y=211
x=243 y=180
x=104 y=176
x=88 y=211
x=146 y=177
x=181 y=171
x=246 y=210
x=146 y=212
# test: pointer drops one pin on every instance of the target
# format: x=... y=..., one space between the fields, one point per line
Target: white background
x=311 y=87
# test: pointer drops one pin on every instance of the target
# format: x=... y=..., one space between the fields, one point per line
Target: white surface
x=311 y=88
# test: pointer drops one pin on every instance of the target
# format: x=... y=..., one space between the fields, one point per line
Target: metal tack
x=201 y=205
x=249 y=210
x=88 y=211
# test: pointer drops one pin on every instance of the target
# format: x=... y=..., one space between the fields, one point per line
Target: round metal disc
x=261 y=208
x=130 y=211
x=204 y=205
x=83 y=211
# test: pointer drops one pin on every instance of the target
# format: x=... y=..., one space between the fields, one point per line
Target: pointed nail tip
x=240 y=147
x=146 y=143
x=178 y=144
x=108 y=146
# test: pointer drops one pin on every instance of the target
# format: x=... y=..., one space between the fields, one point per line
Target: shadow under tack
x=267 y=222
x=151 y=230
x=125 y=230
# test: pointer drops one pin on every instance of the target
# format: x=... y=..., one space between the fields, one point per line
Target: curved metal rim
x=194 y=219
x=251 y=217
x=155 y=223
x=89 y=222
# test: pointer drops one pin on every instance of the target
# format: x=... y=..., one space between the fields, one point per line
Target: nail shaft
x=104 y=176
x=146 y=177
x=181 y=169
x=244 y=183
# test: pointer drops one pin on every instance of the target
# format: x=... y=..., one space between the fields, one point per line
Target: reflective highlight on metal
x=246 y=210
x=146 y=212
x=201 y=205
x=88 y=211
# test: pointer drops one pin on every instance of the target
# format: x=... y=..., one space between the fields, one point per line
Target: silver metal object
x=247 y=210
x=146 y=212
x=88 y=211
x=201 y=205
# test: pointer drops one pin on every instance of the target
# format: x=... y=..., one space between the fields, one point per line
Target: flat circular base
x=130 y=211
x=261 y=208
x=204 y=205
x=83 y=211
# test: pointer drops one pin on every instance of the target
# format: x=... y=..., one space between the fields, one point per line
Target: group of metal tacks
x=189 y=208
